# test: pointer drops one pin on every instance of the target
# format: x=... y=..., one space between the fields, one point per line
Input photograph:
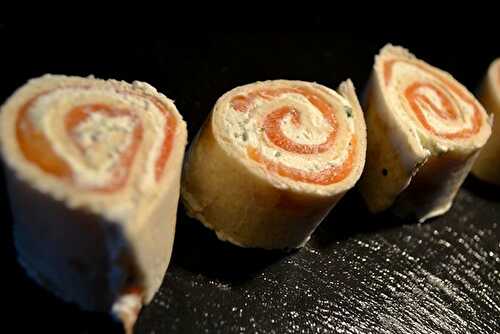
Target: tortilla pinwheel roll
x=424 y=133
x=487 y=166
x=272 y=159
x=93 y=170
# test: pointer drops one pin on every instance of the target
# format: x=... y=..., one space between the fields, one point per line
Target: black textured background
x=358 y=274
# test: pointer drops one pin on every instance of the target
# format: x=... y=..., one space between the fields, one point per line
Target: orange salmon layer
x=450 y=106
x=37 y=149
x=272 y=129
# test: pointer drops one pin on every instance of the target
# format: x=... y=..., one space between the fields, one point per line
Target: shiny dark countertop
x=359 y=273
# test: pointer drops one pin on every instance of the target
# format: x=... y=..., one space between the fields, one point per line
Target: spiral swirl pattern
x=435 y=101
x=91 y=137
x=300 y=131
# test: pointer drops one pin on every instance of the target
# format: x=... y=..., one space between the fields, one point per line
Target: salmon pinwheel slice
x=93 y=171
x=487 y=166
x=424 y=133
x=272 y=159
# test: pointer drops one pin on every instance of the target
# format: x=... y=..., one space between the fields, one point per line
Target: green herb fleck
x=348 y=111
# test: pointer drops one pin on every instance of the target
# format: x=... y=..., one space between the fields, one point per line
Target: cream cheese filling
x=101 y=139
x=246 y=129
x=404 y=75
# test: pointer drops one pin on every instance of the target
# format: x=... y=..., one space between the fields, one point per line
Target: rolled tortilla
x=93 y=171
x=424 y=133
x=487 y=166
x=272 y=159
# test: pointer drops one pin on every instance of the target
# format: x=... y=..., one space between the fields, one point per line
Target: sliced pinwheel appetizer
x=425 y=131
x=272 y=159
x=487 y=166
x=93 y=170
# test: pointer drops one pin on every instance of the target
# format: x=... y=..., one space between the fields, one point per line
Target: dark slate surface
x=359 y=273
